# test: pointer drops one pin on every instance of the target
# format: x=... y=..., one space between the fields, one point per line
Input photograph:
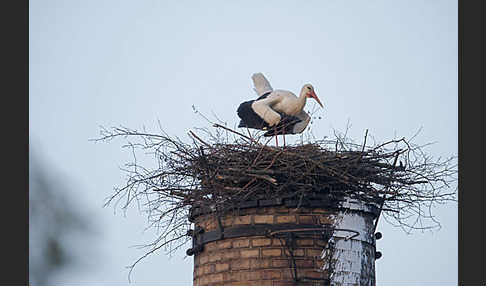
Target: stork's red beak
x=313 y=95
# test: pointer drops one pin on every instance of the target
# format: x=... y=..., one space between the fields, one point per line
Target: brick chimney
x=286 y=242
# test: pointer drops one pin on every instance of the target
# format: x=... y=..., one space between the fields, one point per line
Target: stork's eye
x=309 y=88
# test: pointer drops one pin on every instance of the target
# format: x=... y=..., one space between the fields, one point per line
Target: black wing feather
x=249 y=118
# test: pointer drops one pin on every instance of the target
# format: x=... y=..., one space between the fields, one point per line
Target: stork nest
x=227 y=168
x=235 y=172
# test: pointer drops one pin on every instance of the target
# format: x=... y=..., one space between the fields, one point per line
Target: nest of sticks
x=222 y=168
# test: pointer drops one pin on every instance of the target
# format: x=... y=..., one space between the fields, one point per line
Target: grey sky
x=387 y=66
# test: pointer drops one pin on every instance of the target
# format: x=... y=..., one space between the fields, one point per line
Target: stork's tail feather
x=262 y=85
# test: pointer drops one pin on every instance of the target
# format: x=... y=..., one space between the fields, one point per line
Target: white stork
x=279 y=112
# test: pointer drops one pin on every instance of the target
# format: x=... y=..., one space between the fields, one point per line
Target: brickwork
x=260 y=260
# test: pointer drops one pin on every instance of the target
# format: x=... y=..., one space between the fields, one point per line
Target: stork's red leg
x=276 y=140
x=283 y=135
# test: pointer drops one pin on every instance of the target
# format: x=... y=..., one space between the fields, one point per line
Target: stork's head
x=309 y=92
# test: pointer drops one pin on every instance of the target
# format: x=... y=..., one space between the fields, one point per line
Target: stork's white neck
x=302 y=98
